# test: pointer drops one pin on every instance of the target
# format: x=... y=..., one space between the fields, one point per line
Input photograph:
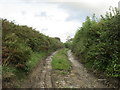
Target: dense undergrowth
x=22 y=48
x=60 y=61
x=97 y=43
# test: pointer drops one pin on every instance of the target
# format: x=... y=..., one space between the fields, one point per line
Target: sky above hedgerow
x=55 y=18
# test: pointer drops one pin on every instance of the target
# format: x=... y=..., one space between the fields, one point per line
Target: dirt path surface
x=41 y=76
x=78 y=77
x=44 y=77
x=87 y=79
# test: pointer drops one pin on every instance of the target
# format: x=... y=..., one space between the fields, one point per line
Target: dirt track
x=44 y=77
x=78 y=77
x=41 y=75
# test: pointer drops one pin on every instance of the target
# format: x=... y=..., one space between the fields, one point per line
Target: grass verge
x=35 y=58
x=60 y=61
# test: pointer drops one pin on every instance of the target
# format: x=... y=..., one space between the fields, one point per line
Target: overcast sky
x=55 y=18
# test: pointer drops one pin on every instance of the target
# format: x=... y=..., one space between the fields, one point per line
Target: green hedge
x=97 y=43
x=21 y=42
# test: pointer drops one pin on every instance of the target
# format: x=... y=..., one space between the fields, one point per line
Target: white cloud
x=83 y=8
x=56 y=18
x=48 y=16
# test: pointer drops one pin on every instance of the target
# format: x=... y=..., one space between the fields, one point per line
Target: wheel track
x=82 y=74
x=45 y=79
x=41 y=76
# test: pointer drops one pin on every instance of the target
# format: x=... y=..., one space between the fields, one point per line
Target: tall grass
x=60 y=61
x=11 y=71
x=35 y=58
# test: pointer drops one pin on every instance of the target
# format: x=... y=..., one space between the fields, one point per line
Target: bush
x=20 y=43
x=97 y=43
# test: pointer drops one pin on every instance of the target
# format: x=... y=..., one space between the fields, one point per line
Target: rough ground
x=44 y=77
x=77 y=78
x=41 y=75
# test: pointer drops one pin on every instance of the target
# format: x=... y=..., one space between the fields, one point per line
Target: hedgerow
x=19 y=43
x=97 y=43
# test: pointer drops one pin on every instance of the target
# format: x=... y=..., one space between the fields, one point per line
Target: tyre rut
x=41 y=76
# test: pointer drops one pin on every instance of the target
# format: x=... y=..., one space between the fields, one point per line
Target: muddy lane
x=44 y=77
